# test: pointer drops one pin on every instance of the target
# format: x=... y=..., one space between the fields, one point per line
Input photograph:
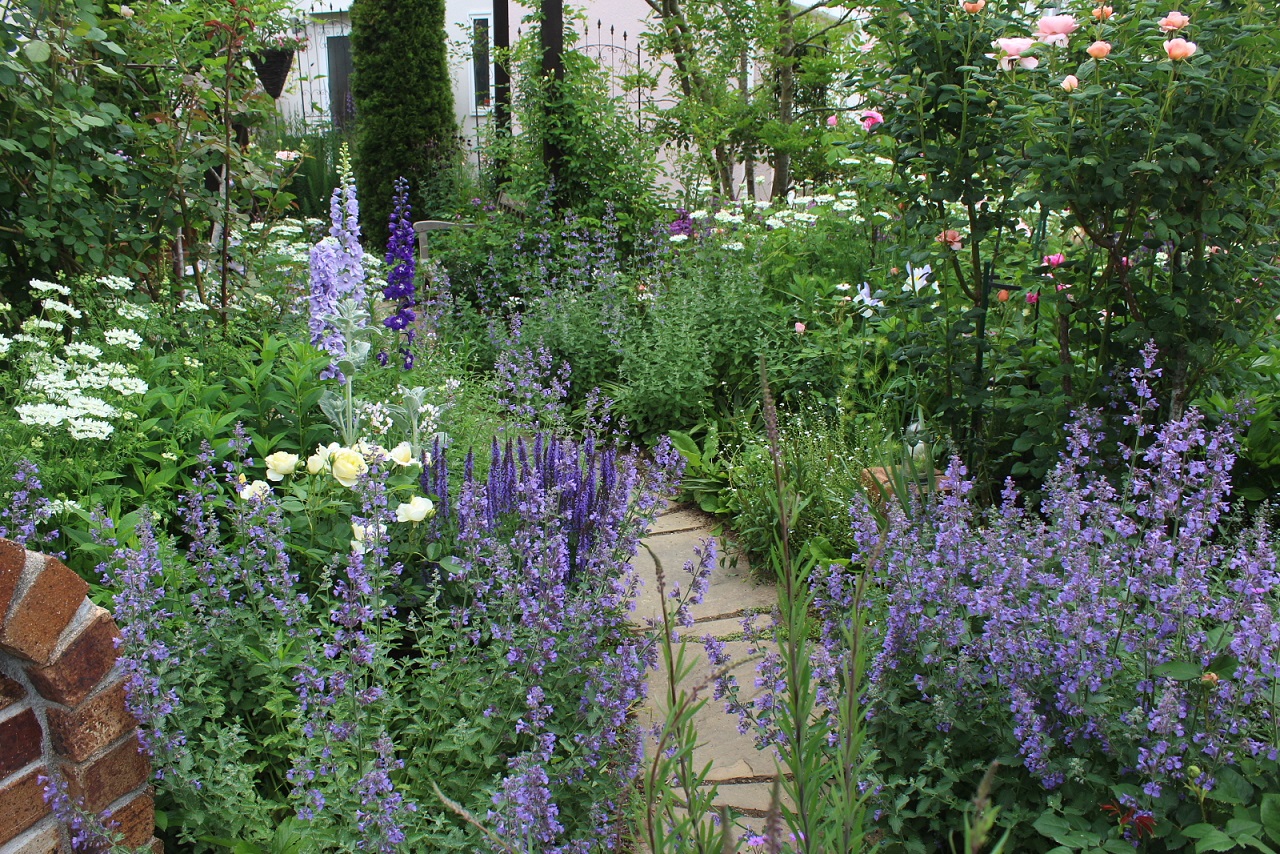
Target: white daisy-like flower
x=89 y=428
x=129 y=311
x=79 y=350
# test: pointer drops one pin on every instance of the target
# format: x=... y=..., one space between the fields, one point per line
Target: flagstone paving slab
x=732 y=591
x=742 y=773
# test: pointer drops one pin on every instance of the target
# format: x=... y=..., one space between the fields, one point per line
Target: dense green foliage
x=404 y=109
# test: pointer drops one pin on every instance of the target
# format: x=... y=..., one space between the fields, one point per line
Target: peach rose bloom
x=973 y=6
x=1103 y=13
x=1099 y=49
x=1174 y=21
x=1070 y=83
x=1179 y=49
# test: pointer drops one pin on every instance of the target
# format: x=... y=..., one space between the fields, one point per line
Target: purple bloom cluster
x=545 y=542
x=26 y=508
x=682 y=224
x=1117 y=623
x=402 y=259
x=337 y=271
x=146 y=658
x=341 y=692
x=531 y=385
x=89 y=832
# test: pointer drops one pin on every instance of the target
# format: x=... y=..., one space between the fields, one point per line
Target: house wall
x=608 y=31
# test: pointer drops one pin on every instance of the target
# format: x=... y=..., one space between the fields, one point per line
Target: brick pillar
x=62 y=706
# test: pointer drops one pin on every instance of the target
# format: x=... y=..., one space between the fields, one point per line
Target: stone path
x=743 y=774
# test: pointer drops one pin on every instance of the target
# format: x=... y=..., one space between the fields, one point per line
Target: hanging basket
x=273 y=69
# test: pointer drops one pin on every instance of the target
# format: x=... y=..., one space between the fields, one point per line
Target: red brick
x=19 y=742
x=13 y=558
x=89 y=657
x=110 y=777
x=21 y=804
x=10 y=692
x=45 y=840
x=136 y=820
x=45 y=609
x=81 y=732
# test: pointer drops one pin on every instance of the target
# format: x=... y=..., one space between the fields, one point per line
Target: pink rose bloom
x=1011 y=51
x=1054 y=29
x=950 y=238
x=1070 y=83
x=871 y=118
x=1099 y=49
x=973 y=6
x=832 y=121
x=800 y=327
x=1179 y=49
x=1055 y=260
x=1174 y=21
x=1033 y=297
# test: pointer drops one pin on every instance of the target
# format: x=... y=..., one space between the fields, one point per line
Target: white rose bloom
x=402 y=455
x=347 y=465
x=317 y=462
x=280 y=464
x=415 y=510
x=361 y=534
x=257 y=489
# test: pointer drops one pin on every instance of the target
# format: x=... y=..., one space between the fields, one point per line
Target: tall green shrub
x=404 y=107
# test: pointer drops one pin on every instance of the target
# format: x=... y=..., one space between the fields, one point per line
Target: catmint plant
x=1119 y=640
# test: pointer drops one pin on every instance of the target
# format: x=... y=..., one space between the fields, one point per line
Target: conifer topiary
x=403 y=96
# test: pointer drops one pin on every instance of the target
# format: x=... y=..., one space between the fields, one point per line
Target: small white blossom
x=123 y=338
x=42 y=286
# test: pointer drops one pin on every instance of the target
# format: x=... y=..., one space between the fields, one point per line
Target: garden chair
x=423 y=228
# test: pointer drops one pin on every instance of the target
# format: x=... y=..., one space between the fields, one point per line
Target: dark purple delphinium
x=26 y=508
x=1117 y=624
x=682 y=224
x=402 y=260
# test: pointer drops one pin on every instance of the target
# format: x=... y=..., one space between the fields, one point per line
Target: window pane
x=480 y=61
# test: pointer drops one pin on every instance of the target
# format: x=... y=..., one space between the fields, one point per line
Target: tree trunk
x=785 y=64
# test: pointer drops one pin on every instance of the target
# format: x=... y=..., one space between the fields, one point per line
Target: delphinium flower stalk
x=401 y=259
x=337 y=270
